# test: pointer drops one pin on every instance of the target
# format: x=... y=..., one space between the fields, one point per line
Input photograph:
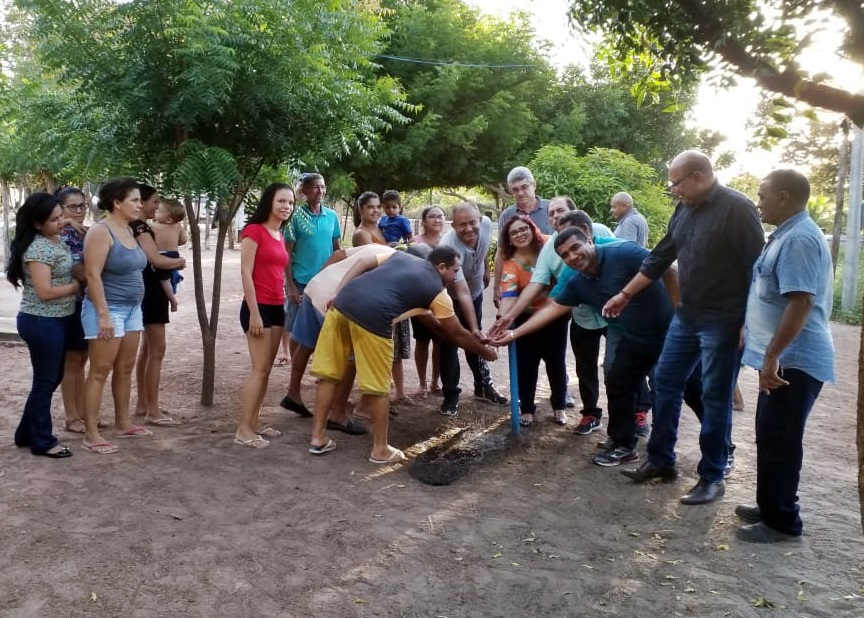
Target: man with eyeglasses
x=716 y=236
x=521 y=184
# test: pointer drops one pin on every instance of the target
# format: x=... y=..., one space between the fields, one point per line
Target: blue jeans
x=688 y=343
x=46 y=340
x=780 y=419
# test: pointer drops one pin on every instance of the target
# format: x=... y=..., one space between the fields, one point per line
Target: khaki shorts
x=373 y=354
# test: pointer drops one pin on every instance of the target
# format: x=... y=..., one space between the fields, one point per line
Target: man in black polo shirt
x=716 y=236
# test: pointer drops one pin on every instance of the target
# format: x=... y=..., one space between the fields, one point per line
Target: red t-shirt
x=268 y=272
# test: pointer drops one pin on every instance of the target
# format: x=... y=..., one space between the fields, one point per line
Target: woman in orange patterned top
x=520 y=243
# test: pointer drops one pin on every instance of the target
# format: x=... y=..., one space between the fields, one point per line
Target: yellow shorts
x=373 y=354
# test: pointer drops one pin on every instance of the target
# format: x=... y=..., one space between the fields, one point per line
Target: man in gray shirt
x=471 y=236
x=631 y=224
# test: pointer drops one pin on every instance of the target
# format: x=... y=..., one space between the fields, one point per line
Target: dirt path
x=187 y=524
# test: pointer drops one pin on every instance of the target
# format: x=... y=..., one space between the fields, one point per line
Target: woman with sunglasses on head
x=41 y=264
x=520 y=244
x=74 y=204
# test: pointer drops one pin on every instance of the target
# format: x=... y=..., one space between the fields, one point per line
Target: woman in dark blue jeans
x=41 y=264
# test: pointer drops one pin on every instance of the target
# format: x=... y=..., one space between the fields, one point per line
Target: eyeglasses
x=434 y=216
x=80 y=207
x=522 y=231
x=672 y=185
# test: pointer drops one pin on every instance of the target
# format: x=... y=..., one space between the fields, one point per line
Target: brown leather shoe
x=648 y=471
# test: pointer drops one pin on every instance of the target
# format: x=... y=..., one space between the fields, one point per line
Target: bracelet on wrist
x=626 y=294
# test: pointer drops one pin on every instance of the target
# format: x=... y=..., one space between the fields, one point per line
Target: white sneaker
x=561 y=417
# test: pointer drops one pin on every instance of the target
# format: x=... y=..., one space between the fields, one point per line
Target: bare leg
x=72 y=386
x=378 y=408
x=299 y=359
x=436 y=366
x=262 y=351
x=168 y=290
x=421 y=359
x=142 y=405
x=103 y=352
x=399 y=379
x=737 y=399
x=154 y=337
x=338 y=413
x=323 y=401
x=121 y=379
x=285 y=355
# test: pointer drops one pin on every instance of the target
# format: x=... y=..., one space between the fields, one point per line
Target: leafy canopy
x=203 y=93
x=763 y=40
x=591 y=180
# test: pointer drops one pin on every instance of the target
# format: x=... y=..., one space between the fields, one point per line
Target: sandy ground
x=186 y=523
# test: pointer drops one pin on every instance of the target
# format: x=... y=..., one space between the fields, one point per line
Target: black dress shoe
x=760 y=533
x=704 y=492
x=295 y=406
x=750 y=514
x=648 y=471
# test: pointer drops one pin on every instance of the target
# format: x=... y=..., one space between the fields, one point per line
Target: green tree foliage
x=199 y=96
x=474 y=123
x=472 y=120
x=763 y=40
x=613 y=116
x=591 y=180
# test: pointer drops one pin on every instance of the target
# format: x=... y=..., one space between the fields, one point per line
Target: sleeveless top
x=121 y=275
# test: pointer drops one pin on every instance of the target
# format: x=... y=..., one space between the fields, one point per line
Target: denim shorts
x=125 y=319
x=307 y=324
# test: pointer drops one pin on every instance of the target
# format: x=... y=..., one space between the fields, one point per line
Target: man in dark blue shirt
x=715 y=234
x=634 y=338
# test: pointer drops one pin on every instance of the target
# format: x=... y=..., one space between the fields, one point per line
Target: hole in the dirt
x=449 y=461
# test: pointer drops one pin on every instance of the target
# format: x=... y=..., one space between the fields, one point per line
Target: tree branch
x=788 y=82
x=853 y=12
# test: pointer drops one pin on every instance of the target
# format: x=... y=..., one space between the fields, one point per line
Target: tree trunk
x=6 y=198
x=859 y=434
x=842 y=169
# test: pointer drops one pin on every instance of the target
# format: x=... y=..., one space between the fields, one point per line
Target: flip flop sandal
x=136 y=431
x=100 y=448
x=76 y=426
x=322 y=450
x=165 y=421
x=396 y=456
x=256 y=442
x=270 y=432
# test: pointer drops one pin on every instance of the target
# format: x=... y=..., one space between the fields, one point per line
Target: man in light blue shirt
x=788 y=339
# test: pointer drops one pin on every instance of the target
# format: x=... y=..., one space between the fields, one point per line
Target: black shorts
x=154 y=307
x=75 y=341
x=421 y=333
x=271 y=315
